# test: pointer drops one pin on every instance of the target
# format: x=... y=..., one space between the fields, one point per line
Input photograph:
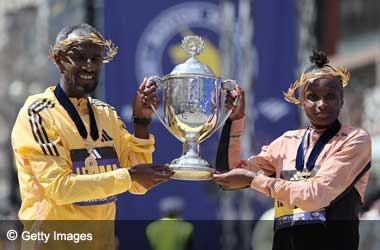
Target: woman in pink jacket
x=317 y=176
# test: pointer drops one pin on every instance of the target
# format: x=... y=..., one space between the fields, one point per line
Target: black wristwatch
x=141 y=121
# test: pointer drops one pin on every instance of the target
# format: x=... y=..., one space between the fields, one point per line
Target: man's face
x=80 y=67
x=322 y=101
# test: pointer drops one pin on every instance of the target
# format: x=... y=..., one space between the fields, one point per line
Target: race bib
x=287 y=217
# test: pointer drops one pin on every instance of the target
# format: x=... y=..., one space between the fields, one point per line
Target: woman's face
x=322 y=101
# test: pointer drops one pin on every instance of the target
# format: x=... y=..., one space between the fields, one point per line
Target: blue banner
x=149 y=34
x=276 y=45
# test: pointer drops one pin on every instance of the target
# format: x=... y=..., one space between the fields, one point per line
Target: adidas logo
x=95 y=154
x=105 y=136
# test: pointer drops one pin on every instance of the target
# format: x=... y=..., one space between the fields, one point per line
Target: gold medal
x=304 y=175
x=90 y=162
x=91 y=165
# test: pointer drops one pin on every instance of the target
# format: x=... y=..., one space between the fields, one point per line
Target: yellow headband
x=64 y=44
x=340 y=72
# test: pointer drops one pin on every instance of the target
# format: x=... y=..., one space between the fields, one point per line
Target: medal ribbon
x=329 y=133
x=74 y=115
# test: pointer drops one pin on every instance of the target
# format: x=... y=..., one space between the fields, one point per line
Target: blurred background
x=264 y=45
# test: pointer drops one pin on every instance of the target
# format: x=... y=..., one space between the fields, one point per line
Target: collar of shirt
x=80 y=104
x=312 y=136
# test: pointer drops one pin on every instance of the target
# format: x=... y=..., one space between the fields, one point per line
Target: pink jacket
x=341 y=160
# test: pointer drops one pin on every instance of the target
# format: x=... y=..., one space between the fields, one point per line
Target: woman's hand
x=235 y=100
x=235 y=178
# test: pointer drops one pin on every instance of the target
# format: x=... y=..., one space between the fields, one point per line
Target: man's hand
x=150 y=175
x=235 y=178
x=145 y=96
x=237 y=107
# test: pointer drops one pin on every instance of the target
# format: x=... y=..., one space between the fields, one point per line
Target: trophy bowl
x=191 y=104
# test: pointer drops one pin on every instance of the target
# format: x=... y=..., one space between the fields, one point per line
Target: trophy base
x=193 y=169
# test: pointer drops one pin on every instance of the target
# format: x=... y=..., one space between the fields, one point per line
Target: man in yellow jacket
x=73 y=153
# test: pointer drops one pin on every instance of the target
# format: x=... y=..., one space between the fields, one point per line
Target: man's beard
x=85 y=89
x=88 y=89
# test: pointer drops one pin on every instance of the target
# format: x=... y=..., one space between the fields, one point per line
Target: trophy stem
x=190 y=149
x=190 y=166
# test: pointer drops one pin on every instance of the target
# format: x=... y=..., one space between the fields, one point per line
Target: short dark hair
x=320 y=60
x=84 y=29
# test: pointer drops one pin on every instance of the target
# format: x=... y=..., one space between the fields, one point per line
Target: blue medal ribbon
x=73 y=113
x=329 y=133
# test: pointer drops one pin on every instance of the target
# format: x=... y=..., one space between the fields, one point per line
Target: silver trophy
x=191 y=103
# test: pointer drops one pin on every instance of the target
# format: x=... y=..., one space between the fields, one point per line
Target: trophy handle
x=227 y=85
x=158 y=80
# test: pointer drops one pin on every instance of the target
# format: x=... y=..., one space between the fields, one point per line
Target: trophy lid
x=193 y=46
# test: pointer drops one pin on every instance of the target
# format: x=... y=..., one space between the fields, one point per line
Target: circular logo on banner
x=159 y=48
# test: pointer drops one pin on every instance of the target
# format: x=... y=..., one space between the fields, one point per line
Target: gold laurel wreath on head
x=340 y=72
x=65 y=44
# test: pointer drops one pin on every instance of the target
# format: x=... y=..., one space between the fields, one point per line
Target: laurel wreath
x=63 y=45
x=340 y=72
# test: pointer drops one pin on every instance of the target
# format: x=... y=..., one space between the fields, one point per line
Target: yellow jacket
x=50 y=153
x=170 y=234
